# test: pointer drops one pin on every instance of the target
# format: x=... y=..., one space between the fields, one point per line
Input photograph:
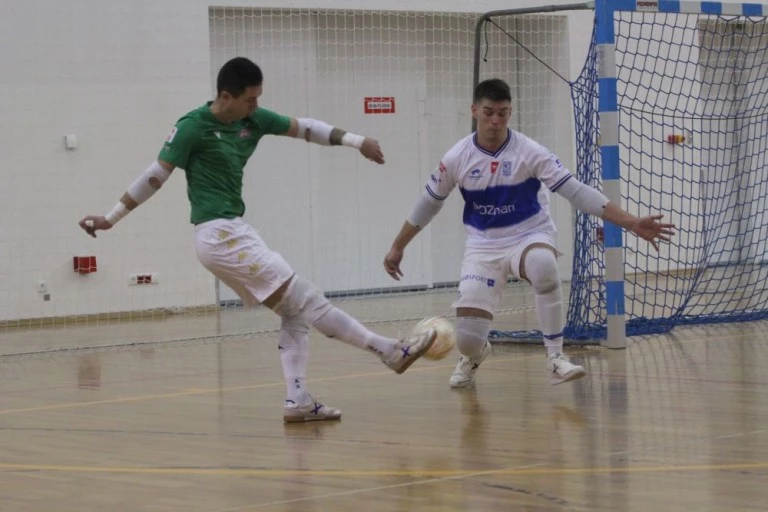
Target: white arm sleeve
x=583 y=197
x=324 y=134
x=148 y=182
x=140 y=190
x=425 y=210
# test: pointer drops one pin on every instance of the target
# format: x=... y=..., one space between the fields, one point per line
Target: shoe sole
x=575 y=375
x=307 y=419
x=419 y=353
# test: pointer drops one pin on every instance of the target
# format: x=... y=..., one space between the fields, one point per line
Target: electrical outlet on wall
x=143 y=278
x=42 y=290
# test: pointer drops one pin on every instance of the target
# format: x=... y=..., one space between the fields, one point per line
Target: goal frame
x=609 y=131
x=608 y=101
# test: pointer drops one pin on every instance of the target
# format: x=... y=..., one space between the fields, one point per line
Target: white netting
x=327 y=210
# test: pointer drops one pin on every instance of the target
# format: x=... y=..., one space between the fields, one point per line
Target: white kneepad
x=294 y=323
x=301 y=299
x=541 y=270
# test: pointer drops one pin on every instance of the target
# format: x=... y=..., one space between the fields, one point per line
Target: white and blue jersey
x=504 y=200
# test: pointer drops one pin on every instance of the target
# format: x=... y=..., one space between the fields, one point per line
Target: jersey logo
x=476 y=277
x=442 y=167
x=501 y=207
x=506 y=167
x=492 y=209
x=245 y=132
x=475 y=174
x=171 y=135
x=494 y=166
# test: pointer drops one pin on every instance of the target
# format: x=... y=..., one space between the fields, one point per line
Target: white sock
x=541 y=271
x=549 y=309
x=294 y=354
x=472 y=334
x=338 y=324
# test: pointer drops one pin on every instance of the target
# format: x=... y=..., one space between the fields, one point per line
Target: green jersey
x=213 y=155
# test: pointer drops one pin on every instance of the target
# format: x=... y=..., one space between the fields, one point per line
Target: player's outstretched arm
x=139 y=191
x=592 y=201
x=324 y=134
x=648 y=228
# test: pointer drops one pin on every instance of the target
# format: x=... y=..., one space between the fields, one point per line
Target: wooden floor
x=677 y=422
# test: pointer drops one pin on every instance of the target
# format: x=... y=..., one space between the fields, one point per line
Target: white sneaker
x=310 y=411
x=409 y=350
x=464 y=373
x=562 y=370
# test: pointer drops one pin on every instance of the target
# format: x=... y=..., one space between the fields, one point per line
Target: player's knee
x=541 y=270
x=471 y=334
x=295 y=323
x=302 y=302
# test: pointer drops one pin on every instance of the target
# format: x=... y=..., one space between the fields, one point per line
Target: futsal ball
x=445 y=339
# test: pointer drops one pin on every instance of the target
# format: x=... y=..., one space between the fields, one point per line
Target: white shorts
x=235 y=253
x=484 y=272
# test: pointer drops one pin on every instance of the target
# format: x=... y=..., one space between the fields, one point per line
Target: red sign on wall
x=379 y=104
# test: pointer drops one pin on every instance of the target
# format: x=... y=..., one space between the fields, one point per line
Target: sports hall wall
x=118 y=74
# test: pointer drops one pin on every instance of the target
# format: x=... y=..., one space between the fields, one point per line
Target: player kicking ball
x=503 y=176
x=212 y=144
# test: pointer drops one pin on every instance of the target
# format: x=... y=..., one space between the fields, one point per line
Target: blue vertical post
x=609 y=153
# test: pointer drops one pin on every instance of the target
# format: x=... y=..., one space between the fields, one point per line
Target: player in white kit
x=503 y=177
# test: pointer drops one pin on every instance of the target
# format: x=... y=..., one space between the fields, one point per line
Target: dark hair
x=494 y=89
x=238 y=74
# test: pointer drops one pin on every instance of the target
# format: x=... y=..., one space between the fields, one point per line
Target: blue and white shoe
x=409 y=350
x=311 y=410
x=464 y=373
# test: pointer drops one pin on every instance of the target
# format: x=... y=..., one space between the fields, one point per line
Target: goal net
x=693 y=140
x=330 y=213
x=692 y=143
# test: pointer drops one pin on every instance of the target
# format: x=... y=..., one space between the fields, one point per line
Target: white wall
x=348 y=209
x=118 y=75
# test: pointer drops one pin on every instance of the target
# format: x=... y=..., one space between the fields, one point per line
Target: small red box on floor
x=85 y=264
